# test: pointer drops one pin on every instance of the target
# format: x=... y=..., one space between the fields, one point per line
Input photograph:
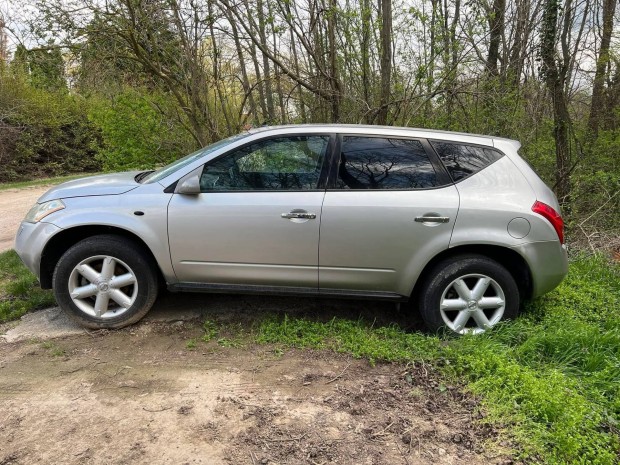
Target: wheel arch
x=508 y=258
x=62 y=241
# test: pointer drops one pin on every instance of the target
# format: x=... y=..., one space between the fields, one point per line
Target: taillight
x=552 y=216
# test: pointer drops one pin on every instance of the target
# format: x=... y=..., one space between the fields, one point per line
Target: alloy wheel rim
x=103 y=286
x=472 y=303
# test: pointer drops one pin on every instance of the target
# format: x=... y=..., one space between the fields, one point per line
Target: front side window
x=282 y=163
x=165 y=171
x=463 y=160
x=382 y=163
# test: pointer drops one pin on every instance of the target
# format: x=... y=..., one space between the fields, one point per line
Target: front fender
x=144 y=215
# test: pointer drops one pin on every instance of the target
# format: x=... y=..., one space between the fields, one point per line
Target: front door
x=256 y=220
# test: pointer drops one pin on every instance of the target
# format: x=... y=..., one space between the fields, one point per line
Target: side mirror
x=190 y=183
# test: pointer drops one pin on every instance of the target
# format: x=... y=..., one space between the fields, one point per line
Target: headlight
x=41 y=210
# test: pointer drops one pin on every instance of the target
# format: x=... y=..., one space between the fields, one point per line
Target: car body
x=325 y=210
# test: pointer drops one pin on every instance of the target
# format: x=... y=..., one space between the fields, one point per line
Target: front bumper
x=30 y=241
x=548 y=263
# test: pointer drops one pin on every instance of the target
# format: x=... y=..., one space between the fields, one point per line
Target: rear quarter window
x=463 y=160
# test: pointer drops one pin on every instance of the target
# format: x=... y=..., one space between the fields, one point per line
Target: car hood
x=105 y=184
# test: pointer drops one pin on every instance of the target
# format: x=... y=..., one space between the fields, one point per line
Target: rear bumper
x=30 y=242
x=548 y=263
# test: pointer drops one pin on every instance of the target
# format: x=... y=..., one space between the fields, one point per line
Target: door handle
x=432 y=219
x=301 y=215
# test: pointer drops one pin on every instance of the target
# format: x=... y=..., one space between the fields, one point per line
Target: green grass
x=19 y=289
x=43 y=181
x=551 y=378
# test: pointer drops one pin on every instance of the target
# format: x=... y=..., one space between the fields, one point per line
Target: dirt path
x=139 y=395
x=14 y=205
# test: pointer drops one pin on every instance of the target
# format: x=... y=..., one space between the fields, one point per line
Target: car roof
x=382 y=130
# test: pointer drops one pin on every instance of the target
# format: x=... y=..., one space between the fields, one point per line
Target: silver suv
x=458 y=224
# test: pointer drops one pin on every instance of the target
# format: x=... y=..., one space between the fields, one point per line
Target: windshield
x=173 y=167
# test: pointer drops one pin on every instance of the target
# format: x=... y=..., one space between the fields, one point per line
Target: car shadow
x=252 y=309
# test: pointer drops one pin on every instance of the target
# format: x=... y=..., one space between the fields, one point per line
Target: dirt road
x=140 y=395
x=14 y=205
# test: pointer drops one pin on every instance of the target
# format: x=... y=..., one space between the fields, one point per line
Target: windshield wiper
x=140 y=176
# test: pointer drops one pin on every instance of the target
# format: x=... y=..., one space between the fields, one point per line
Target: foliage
x=595 y=209
x=19 y=290
x=135 y=133
x=45 y=68
x=42 y=133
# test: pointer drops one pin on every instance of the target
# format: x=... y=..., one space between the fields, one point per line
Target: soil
x=14 y=206
x=140 y=395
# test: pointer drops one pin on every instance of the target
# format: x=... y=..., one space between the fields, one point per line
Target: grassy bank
x=19 y=289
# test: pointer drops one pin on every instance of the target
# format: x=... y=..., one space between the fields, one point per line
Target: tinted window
x=283 y=163
x=379 y=163
x=464 y=160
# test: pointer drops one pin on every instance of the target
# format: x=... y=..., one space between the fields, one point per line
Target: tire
x=451 y=297
x=105 y=282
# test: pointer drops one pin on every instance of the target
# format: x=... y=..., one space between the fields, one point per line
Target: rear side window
x=463 y=160
x=382 y=163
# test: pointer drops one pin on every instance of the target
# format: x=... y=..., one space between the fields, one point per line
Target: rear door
x=390 y=206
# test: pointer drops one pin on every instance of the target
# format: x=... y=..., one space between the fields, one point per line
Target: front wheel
x=105 y=282
x=468 y=295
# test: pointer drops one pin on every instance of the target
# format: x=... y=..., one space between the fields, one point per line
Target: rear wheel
x=105 y=282
x=468 y=295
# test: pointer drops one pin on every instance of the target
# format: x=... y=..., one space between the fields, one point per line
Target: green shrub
x=135 y=133
x=43 y=133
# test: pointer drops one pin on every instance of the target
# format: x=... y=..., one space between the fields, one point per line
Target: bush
x=43 y=133
x=135 y=133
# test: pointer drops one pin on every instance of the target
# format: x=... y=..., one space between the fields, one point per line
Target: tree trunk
x=385 y=9
x=366 y=16
x=496 y=31
x=519 y=44
x=266 y=64
x=260 y=85
x=247 y=88
x=598 y=109
x=555 y=77
x=224 y=106
x=334 y=78
x=300 y=92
